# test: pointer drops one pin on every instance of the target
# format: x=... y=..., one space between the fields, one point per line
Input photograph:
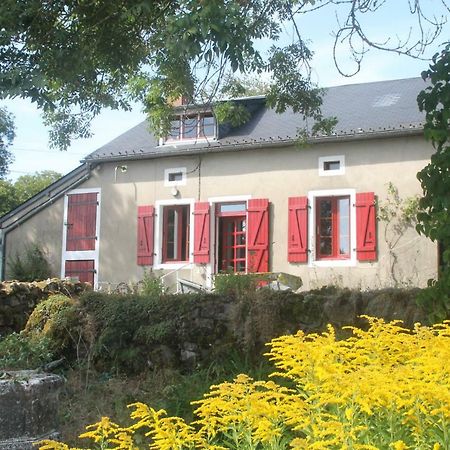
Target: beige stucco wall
x=44 y=229
x=273 y=173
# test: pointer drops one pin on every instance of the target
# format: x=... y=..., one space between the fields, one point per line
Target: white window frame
x=312 y=196
x=329 y=173
x=213 y=244
x=159 y=206
x=82 y=255
x=171 y=170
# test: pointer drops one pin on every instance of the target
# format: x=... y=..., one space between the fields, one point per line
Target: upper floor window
x=192 y=127
x=175 y=176
x=331 y=165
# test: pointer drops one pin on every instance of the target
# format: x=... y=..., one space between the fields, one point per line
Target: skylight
x=386 y=100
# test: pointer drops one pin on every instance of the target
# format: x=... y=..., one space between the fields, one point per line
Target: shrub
x=32 y=265
x=236 y=284
x=384 y=388
x=152 y=285
x=18 y=351
x=58 y=320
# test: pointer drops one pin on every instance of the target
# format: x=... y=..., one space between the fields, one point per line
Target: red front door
x=232 y=244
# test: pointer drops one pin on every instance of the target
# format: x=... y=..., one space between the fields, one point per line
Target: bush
x=152 y=285
x=384 y=388
x=236 y=284
x=18 y=351
x=57 y=319
x=32 y=265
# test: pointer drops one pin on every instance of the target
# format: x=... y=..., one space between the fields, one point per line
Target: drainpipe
x=2 y=255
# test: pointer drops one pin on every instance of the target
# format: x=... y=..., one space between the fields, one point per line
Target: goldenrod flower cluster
x=384 y=388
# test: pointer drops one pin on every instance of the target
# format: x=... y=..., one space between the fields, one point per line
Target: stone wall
x=18 y=299
x=188 y=330
x=28 y=408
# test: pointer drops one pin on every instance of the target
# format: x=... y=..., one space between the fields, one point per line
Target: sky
x=32 y=152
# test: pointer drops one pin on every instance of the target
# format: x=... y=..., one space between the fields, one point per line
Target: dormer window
x=192 y=127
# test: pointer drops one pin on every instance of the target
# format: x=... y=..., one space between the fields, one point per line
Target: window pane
x=207 y=126
x=170 y=249
x=176 y=176
x=232 y=207
x=190 y=127
x=344 y=225
x=176 y=233
x=325 y=248
x=325 y=209
x=331 y=165
x=174 y=130
x=325 y=227
x=240 y=253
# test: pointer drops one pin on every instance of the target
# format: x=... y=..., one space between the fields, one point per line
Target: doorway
x=232 y=237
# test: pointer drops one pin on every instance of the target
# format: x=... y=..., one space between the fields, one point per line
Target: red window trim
x=180 y=231
x=335 y=229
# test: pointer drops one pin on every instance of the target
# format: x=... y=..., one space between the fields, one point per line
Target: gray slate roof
x=363 y=111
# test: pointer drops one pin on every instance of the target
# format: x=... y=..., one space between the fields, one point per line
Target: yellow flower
x=399 y=445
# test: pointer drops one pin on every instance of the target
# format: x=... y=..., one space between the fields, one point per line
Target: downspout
x=2 y=255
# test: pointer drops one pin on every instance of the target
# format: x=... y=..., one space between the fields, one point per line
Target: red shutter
x=83 y=270
x=258 y=235
x=201 y=233
x=81 y=222
x=146 y=216
x=366 y=238
x=298 y=229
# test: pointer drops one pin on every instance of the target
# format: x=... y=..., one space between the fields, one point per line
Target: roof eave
x=239 y=146
x=49 y=194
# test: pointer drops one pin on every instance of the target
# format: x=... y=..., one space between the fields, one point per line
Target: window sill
x=333 y=263
x=178 y=142
x=173 y=265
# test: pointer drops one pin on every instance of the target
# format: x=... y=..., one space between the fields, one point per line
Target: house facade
x=211 y=198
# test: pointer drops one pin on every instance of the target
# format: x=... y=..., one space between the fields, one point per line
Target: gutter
x=15 y=223
x=254 y=145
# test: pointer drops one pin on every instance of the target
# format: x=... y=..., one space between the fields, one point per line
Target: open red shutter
x=366 y=238
x=298 y=229
x=258 y=235
x=201 y=233
x=146 y=215
x=81 y=222
x=84 y=270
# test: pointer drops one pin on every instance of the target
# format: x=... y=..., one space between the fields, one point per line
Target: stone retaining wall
x=18 y=299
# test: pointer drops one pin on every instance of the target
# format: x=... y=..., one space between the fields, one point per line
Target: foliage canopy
x=434 y=218
x=73 y=58
x=25 y=187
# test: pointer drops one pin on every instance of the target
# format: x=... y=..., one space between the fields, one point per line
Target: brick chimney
x=182 y=100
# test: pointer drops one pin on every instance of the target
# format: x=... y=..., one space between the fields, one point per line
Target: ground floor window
x=333 y=227
x=175 y=247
